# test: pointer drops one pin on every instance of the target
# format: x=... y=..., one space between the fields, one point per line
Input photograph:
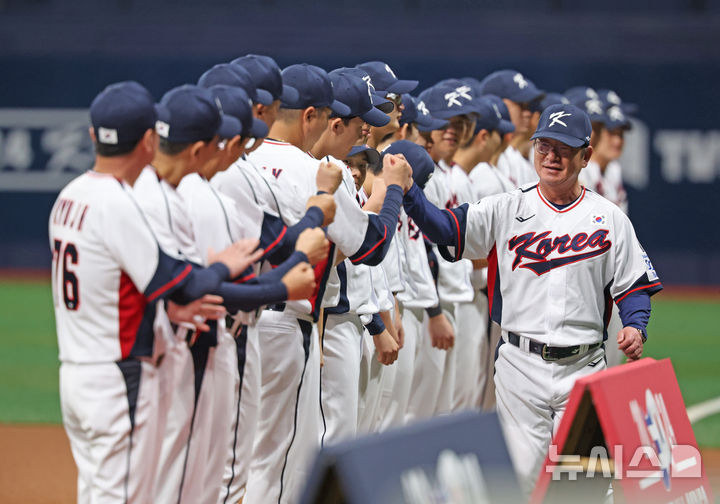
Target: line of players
x=190 y=375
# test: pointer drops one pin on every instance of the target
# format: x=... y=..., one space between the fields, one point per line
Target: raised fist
x=299 y=282
x=326 y=203
x=313 y=243
x=396 y=170
x=238 y=256
x=328 y=178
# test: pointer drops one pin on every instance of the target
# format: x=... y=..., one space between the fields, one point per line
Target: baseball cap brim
x=402 y=86
x=258 y=129
x=289 y=94
x=429 y=124
x=505 y=127
x=264 y=97
x=374 y=117
x=560 y=137
x=382 y=103
x=373 y=156
x=229 y=127
x=340 y=108
x=526 y=95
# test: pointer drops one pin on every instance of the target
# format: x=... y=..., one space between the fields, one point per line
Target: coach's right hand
x=313 y=243
x=396 y=170
x=238 y=256
x=328 y=178
x=299 y=282
x=326 y=203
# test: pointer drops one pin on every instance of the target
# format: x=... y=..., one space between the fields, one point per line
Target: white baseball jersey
x=250 y=193
x=167 y=214
x=453 y=283
x=607 y=184
x=489 y=180
x=553 y=273
x=291 y=174
x=515 y=167
x=105 y=259
x=419 y=291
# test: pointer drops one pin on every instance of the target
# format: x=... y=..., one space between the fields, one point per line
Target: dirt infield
x=36 y=465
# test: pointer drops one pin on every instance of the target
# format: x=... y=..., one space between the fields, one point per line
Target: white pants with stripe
x=115 y=458
x=531 y=398
x=288 y=429
x=471 y=352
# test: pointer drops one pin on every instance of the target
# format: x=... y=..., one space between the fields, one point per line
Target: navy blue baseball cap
x=357 y=95
x=610 y=98
x=488 y=116
x=235 y=102
x=265 y=74
x=191 y=113
x=565 y=123
x=420 y=161
x=512 y=85
x=506 y=126
x=385 y=80
x=314 y=89
x=379 y=99
x=587 y=99
x=122 y=112
x=373 y=156
x=444 y=101
x=547 y=100
x=616 y=118
x=425 y=121
x=234 y=75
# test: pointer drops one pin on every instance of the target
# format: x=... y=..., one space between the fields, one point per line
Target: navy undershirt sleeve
x=438 y=225
x=376 y=325
x=249 y=297
x=276 y=274
x=278 y=240
x=635 y=310
x=381 y=229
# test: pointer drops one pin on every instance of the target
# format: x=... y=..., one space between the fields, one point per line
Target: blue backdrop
x=55 y=56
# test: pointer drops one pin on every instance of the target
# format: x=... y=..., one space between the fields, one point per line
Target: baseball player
x=415 y=289
x=472 y=344
x=356 y=309
x=391 y=88
x=434 y=376
x=287 y=437
x=556 y=245
x=250 y=195
x=108 y=299
x=517 y=92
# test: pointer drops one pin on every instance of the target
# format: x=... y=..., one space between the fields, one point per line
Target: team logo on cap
x=219 y=105
x=594 y=106
x=616 y=114
x=497 y=111
x=520 y=81
x=590 y=93
x=389 y=70
x=107 y=136
x=422 y=108
x=162 y=128
x=613 y=98
x=556 y=116
x=452 y=98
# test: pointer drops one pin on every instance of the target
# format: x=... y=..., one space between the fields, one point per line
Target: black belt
x=276 y=307
x=550 y=353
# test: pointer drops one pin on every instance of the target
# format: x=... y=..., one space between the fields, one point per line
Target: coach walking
x=558 y=256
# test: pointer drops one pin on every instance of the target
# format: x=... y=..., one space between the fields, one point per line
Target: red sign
x=647 y=436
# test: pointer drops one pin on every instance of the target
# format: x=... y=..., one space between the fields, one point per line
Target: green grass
x=29 y=354
x=682 y=329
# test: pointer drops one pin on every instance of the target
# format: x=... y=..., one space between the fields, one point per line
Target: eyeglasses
x=543 y=148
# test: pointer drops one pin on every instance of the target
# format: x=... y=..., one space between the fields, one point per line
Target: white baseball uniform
x=471 y=342
x=108 y=275
x=572 y=262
